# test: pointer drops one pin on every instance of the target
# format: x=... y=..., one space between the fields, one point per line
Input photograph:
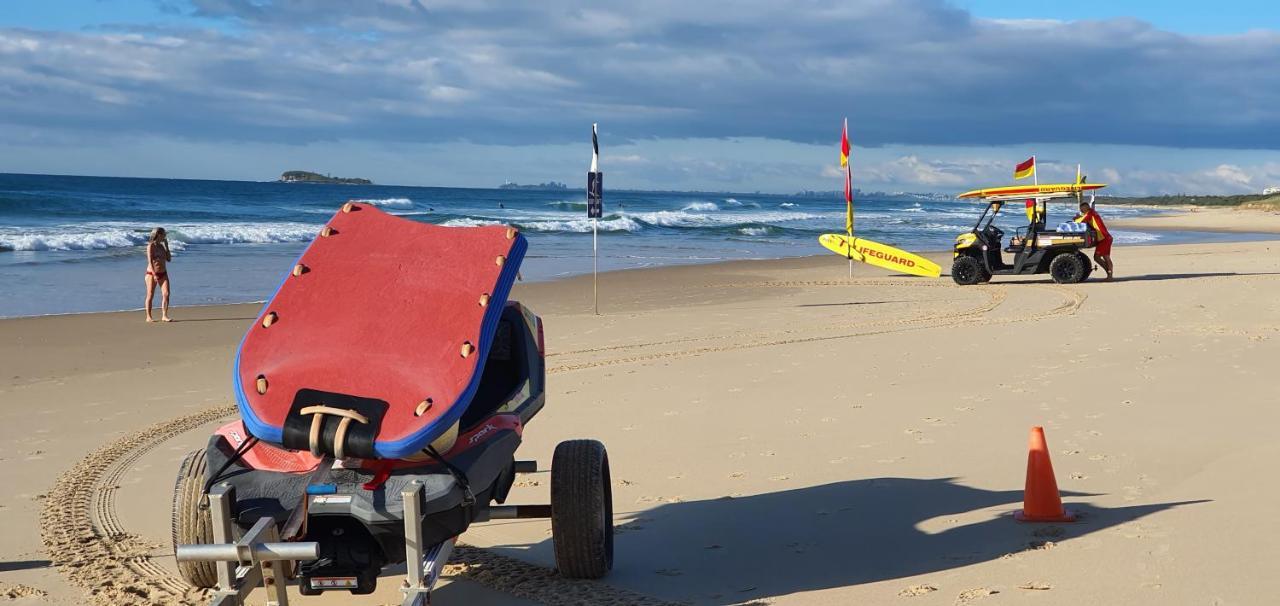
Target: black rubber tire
x=967 y=270
x=1067 y=268
x=582 y=509
x=1088 y=265
x=192 y=524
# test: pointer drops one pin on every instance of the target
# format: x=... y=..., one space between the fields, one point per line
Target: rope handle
x=340 y=437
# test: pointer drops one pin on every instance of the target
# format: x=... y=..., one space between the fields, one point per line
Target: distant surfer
x=158 y=256
x=1102 y=254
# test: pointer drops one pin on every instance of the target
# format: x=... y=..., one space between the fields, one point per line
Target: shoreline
x=1266 y=232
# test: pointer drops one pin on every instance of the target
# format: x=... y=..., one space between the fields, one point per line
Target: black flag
x=595 y=181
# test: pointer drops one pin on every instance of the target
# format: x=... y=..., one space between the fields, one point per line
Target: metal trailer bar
x=257 y=558
x=423 y=566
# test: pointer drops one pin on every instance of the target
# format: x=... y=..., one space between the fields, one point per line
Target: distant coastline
x=302 y=176
x=1249 y=201
x=549 y=185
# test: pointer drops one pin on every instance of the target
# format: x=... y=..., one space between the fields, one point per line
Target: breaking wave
x=389 y=202
x=105 y=236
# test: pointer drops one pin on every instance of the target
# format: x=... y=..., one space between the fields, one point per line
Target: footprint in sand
x=970 y=595
x=916 y=591
x=736 y=474
x=1036 y=586
x=11 y=591
x=780 y=478
x=1078 y=476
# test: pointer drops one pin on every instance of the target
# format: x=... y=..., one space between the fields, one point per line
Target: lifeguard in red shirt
x=1102 y=254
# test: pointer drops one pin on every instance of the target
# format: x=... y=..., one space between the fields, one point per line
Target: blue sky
x=733 y=95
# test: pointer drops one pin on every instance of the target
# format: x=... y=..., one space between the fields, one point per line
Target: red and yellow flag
x=1026 y=169
x=848 y=179
x=844 y=145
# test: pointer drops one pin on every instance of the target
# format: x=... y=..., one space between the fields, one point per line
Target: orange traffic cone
x=1040 y=499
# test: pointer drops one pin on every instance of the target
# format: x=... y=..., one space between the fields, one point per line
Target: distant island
x=302 y=176
x=547 y=185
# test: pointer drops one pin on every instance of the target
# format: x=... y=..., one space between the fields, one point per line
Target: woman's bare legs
x=164 y=300
x=151 y=292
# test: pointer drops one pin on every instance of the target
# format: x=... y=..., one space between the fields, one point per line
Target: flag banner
x=1026 y=169
x=595 y=180
x=844 y=145
x=1031 y=210
x=848 y=178
x=595 y=198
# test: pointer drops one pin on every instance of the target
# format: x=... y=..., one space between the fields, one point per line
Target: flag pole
x=848 y=194
x=848 y=250
x=595 y=208
x=595 y=296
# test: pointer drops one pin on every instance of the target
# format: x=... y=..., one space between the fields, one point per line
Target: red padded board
x=379 y=307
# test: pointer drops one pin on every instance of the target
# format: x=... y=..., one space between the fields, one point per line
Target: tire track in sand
x=1071 y=302
x=995 y=294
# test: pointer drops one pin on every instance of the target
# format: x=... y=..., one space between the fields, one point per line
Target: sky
x=727 y=95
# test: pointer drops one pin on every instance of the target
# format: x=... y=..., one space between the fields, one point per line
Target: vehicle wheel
x=1067 y=268
x=1088 y=266
x=967 y=270
x=191 y=523
x=582 y=509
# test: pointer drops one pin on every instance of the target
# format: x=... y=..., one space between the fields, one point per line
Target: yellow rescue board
x=880 y=255
x=1032 y=191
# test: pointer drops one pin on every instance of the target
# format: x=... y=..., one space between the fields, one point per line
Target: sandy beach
x=779 y=434
x=1228 y=220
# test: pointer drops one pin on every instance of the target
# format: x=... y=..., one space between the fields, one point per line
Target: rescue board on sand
x=880 y=255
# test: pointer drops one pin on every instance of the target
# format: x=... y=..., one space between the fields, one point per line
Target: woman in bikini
x=157 y=256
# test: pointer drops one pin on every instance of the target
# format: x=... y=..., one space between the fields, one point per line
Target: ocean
x=75 y=244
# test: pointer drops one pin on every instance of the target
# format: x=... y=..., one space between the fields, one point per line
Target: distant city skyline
x=941 y=96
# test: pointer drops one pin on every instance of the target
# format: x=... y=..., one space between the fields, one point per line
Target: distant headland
x=302 y=176
x=547 y=185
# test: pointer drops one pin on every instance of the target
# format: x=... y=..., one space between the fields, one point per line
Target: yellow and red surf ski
x=1047 y=190
x=880 y=255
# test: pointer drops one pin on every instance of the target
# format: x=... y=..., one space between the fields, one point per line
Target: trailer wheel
x=967 y=270
x=582 y=509
x=1067 y=268
x=192 y=524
